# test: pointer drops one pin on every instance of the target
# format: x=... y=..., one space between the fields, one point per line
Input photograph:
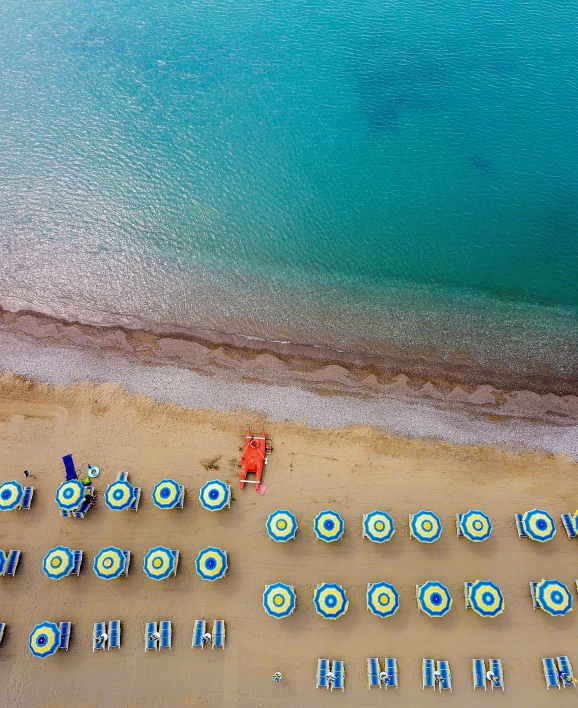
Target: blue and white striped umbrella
x=159 y=563
x=279 y=600
x=58 y=562
x=475 y=525
x=11 y=494
x=44 y=640
x=330 y=601
x=378 y=526
x=426 y=526
x=539 y=525
x=211 y=563
x=109 y=563
x=434 y=599
x=486 y=598
x=215 y=495
x=382 y=599
x=166 y=494
x=554 y=597
x=119 y=495
x=282 y=525
x=328 y=526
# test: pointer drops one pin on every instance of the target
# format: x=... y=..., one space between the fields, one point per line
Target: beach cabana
x=44 y=640
x=279 y=600
x=474 y=525
x=539 y=525
x=330 y=600
x=425 y=526
x=167 y=494
x=211 y=563
x=70 y=495
x=282 y=525
x=433 y=598
x=486 y=598
x=328 y=526
x=119 y=495
x=378 y=526
x=215 y=495
x=58 y=562
x=110 y=563
x=382 y=599
x=11 y=495
x=160 y=563
x=553 y=597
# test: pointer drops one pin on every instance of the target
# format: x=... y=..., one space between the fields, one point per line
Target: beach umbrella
x=109 y=563
x=553 y=597
x=11 y=494
x=166 y=494
x=382 y=599
x=119 y=495
x=539 y=525
x=3 y=562
x=378 y=526
x=70 y=495
x=44 y=639
x=279 y=600
x=282 y=525
x=215 y=495
x=486 y=598
x=330 y=601
x=159 y=563
x=425 y=526
x=328 y=526
x=475 y=525
x=434 y=599
x=58 y=562
x=211 y=563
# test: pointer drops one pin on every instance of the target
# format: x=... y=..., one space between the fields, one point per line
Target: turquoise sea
x=372 y=175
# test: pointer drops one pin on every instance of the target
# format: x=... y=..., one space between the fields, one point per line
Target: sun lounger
x=339 y=671
x=410 y=531
x=98 y=631
x=520 y=526
x=373 y=671
x=77 y=562
x=427 y=672
x=550 y=673
x=458 y=525
x=498 y=671
x=391 y=671
x=479 y=673
x=27 y=498
x=12 y=563
x=135 y=500
x=181 y=502
x=322 y=671
x=122 y=477
x=166 y=634
x=218 y=639
x=126 y=562
x=445 y=680
x=2 y=629
x=114 y=631
x=467 y=588
x=535 y=603
x=568 y=524
x=65 y=628
x=64 y=512
x=150 y=642
x=69 y=467
x=565 y=667
x=176 y=557
x=417 y=587
x=198 y=632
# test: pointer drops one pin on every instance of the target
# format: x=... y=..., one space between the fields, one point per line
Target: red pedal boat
x=257 y=449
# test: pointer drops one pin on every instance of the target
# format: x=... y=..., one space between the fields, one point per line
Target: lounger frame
x=114 y=634
x=338 y=668
x=497 y=669
x=98 y=630
x=198 y=631
x=568 y=524
x=218 y=636
x=550 y=673
x=166 y=631
x=565 y=667
x=373 y=671
x=479 y=674
x=65 y=629
x=445 y=680
x=427 y=673
x=321 y=675
x=390 y=666
x=150 y=644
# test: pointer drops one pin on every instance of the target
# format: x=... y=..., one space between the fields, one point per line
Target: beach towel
x=69 y=467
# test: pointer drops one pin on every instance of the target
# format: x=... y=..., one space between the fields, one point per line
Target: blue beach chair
x=535 y=603
x=498 y=671
x=97 y=632
x=373 y=671
x=391 y=671
x=77 y=562
x=427 y=672
x=568 y=524
x=65 y=628
x=150 y=642
x=339 y=672
x=445 y=679
x=565 y=669
x=550 y=673
x=479 y=673
x=166 y=634
x=2 y=630
x=135 y=499
x=12 y=563
x=322 y=671
x=520 y=526
x=176 y=555
x=181 y=502
x=458 y=525
x=467 y=588
x=122 y=477
x=114 y=631
x=198 y=632
x=218 y=638
x=27 y=498
x=69 y=468
x=126 y=562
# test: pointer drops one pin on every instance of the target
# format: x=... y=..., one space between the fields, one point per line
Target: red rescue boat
x=255 y=454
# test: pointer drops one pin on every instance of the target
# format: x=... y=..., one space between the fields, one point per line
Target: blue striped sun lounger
x=136 y=499
x=568 y=524
x=181 y=502
x=126 y=555
x=458 y=525
x=114 y=631
x=122 y=477
x=339 y=671
x=166 y=634
x=150 y=642
x=445 y=679
x=467 y=588
x=373 y=671
x=427 y=671
x=479 y=673
x=565 y=670
x=12 y=563
x=2 y=630
x=65 y=629
x=535 y=603
x=98 y=631
x=77 y=562
x=176 y=555
x=391 y=671
x=498 y=671
x=322 y=671
x=520 y=526
x=198 y=632
x=550 y=673
x=218 y=638
x=27 y=498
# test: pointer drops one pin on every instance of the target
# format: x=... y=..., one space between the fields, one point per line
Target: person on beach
x=437 y=677
x=491 y=676
x=330 y=677
x=566 y=678
x=28 y=473
x=155 y=636
x=384 y=678
x=207 y=638
x=102 y=639
x=277 y=676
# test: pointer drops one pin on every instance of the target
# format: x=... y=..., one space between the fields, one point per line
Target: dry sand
x=352 y=471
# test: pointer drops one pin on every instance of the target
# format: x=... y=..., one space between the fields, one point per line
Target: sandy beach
x=350 y=470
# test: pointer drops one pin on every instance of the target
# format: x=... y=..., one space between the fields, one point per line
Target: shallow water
x=349 y=175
